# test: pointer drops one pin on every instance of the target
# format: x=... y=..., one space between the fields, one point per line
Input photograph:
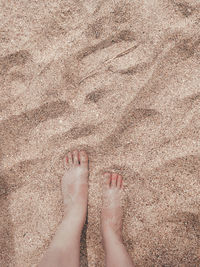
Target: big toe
x=106 y=182
x=83 y=158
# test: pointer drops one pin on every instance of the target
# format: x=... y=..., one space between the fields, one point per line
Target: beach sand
x=119 y=79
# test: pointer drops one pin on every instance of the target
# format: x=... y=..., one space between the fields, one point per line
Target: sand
x=119 y=79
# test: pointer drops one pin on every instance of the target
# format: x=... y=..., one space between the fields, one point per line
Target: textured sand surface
x=119 y=79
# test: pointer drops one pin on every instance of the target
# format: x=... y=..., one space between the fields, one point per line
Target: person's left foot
x=75 y=186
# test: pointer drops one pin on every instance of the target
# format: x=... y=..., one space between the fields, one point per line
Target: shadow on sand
x=6 y=225
x=83 y=247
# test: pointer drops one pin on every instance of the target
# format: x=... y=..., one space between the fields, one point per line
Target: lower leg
x=111 y=223
x=115 y=252
x=65 y=247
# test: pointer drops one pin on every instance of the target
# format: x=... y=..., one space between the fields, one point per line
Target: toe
x=83 y=158
x=75 y=157
x=114 y=180
x=69 y=156
x=65 y=160
x=107 y=177
x=119 y=182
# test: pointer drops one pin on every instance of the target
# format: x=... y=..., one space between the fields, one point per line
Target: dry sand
x=119 y=79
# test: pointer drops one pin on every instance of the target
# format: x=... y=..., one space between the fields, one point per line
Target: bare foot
x=75 y=185
x=65 y=246
x=111 y=216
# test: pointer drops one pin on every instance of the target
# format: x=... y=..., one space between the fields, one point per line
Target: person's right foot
x=111 y=216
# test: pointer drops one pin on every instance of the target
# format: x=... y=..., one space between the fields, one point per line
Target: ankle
x=75 y=217
x=109 y=235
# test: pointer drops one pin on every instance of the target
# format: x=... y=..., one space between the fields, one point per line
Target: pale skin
x=64 y=249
